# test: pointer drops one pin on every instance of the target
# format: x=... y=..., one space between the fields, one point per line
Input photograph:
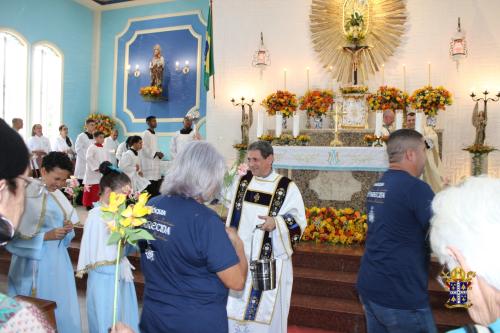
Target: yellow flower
x=115 y=201
x=134 y=213
x=112 y=226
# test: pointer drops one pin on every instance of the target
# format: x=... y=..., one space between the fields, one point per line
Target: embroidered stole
x=274 y=203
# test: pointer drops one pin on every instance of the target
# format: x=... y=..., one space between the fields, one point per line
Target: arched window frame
x=23 y=113
x=32 y=69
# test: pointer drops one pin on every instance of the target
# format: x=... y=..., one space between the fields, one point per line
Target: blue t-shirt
x=182 y=291
x=394 y=268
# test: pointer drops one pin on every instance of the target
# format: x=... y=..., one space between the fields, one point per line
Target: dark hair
x=14 y=155
x=57 y=159
x=411 y=113
x=133 y=140
x=127 y=142
x=33 y=129
x=112 y=177
x=98 y=133
x=148 y=119
x=400 y=141
x=62 y=126
x=88 y=121
x=264 y=147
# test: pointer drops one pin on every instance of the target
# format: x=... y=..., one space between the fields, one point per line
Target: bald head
x=17 y=123
x=388 y=117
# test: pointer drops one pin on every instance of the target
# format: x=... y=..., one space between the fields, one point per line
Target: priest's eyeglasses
x=34 y=188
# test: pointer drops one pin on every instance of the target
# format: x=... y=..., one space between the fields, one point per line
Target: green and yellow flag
x=209 y=51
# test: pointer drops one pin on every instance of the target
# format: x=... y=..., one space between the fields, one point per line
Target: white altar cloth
x=330 y=158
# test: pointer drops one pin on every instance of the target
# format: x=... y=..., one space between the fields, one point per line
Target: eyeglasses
x=34 y=188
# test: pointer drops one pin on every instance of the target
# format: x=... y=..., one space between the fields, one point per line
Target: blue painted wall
x=68 y=25
x=113 y=23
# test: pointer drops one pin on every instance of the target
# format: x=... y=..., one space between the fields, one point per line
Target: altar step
x=324 y=294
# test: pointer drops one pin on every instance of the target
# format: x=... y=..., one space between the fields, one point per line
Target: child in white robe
x=97 y=260
x=131 y=165
x=96 y=154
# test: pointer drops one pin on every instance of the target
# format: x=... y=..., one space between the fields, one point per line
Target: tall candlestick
x=296 y=125
x=429 y=73
x=419 y=124
x=383 y=74
x=284 y=78
x=378 y=124
x=399 y=119
x=260 y=123
x=279 y=123
x=404 y=78
x=307 y=74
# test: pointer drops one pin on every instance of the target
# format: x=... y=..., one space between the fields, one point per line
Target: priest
x=266 y=209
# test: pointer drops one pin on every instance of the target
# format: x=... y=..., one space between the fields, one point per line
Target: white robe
x=111 y=146
x=81 y=145
x=128 y=164
x=95 y=156
x=38 y=143
x=272 y=312
x=432 y=169
x=60 y=144
x=149 y=163
x=122 y=148
x=179 y=141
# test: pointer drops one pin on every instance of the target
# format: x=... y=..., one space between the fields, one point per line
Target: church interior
x=325 y=82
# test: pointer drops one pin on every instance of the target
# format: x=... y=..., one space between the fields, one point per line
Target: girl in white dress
x=39 y=146
x=131 y=165
x=63 y=143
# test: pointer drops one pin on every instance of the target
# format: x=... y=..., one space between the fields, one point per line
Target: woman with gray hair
x=464 y=233
x=194 y=260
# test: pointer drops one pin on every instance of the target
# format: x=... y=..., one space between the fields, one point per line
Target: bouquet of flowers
x=335 y=226
x=316 y=102
x=124 y=221
x=388 y=98
x=353 y=90
x=151 y=92
x=430 y=100
x=284 y=140
x=103 y=123
x=73 y=189
x=302 y=140
x=281 y=101
x=267 y=137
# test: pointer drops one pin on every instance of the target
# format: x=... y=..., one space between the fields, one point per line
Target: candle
x=378 y=124
x=399 y=119
x=404 y=78
x=383 y=74
x=419 y=117
x=296 y=125
x=284 y=78
x=279 y=123
x=307 y=74
x=260 y=123
x=429 y=73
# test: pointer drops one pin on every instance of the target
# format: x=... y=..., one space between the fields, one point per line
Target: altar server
x=131 y=165
x=82 y=143
x=111 y=145
x=151 y=157
x=272 y=203
x=97 y=259
x=183 y=137
x=40 y=264
x=96 y=154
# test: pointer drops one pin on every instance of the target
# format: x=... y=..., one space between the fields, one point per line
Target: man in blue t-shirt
x=393 y=277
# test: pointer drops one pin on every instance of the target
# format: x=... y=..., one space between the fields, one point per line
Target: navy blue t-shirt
x=182 y=291
x=394 y=268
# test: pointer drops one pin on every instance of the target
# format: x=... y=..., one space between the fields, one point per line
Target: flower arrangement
x=354 y=28
x=103 y=123
x=316 y=102
x=430 y=100
x=151 y=92
x=267 y=137
x=371 y=139
x=303 y=140
x=240 y=146
x=335 y=226
x=281 y=101
x=388 y=98
x=478 y=149
x=73 y=189
x=123 y=222
x=353 y=90
x=284 y=140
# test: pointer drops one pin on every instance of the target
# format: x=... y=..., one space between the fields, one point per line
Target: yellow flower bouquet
x=281 y=101
x=151 y=93
x=388 y=98
x=123 y=222
x=335 y=226
x=103 y=123
x=430 y=100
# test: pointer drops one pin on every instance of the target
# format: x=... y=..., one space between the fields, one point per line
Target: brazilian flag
x=209 y=51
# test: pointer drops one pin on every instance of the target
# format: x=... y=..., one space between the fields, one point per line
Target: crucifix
x=354 y=51
x=335 y=116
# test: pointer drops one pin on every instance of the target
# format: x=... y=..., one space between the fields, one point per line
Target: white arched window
x=13 y=76
x=46 y=90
